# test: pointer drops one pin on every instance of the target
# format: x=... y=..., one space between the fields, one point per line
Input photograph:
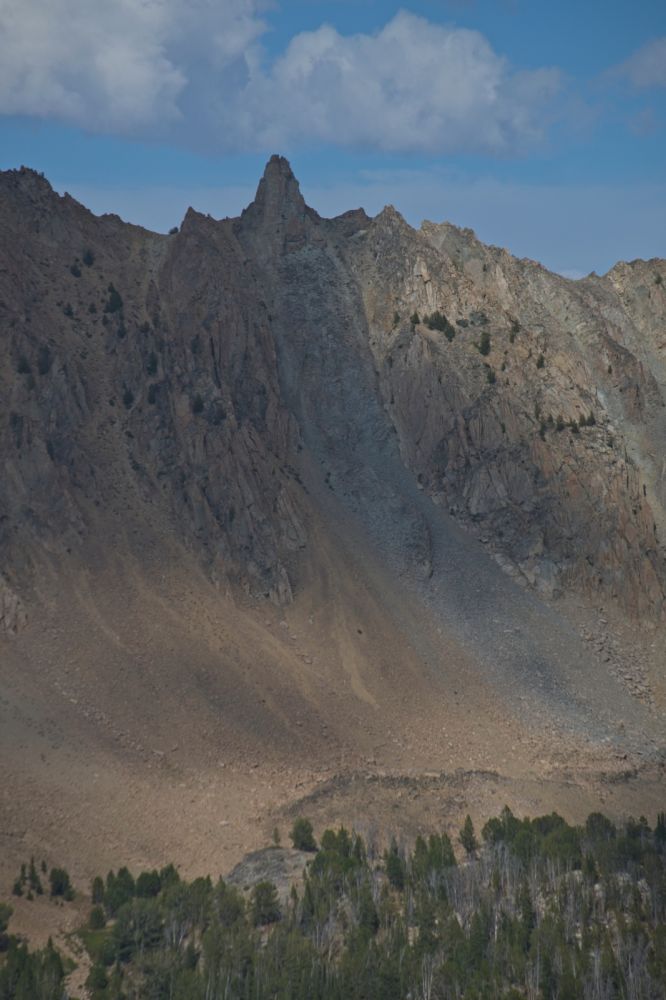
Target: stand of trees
x=29 y=975
x=539 y=909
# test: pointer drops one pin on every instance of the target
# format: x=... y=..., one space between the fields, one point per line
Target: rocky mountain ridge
x=146 y=371
x=292 y=502
x=522 y=417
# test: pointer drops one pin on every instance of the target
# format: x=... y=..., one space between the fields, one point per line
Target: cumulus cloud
x=647 y=66
x=414 y=85
x=193 y=69
x=120 y=65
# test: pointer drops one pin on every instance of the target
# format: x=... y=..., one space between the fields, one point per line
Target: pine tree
x=395 y=866
x=468 y=836
x=302 y=835
x=265 y=904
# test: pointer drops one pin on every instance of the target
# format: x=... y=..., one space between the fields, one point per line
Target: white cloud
x=116 y=65
x=647 y=66
x=193 y=69
x=414 y=85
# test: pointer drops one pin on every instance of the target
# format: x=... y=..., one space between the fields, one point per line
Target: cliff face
x=262 y=524
x=529 y=407
x=140 y=393
x=215 y=386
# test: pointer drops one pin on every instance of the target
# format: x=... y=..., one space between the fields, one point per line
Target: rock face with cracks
x=172 y=383
x=139 y=380
x=316 y=517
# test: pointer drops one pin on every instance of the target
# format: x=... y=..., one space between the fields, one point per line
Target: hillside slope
x=289 y=500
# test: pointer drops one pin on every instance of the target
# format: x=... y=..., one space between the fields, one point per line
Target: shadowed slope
x=261 y=525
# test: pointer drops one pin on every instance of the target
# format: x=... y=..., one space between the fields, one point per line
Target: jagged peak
x=657 y=265
x=391 y=221
x=390 y=214
x=192 y=219
x=278 y=167
x=26 y=179
x=428 y=225
x=462 y=243
x=278 y=192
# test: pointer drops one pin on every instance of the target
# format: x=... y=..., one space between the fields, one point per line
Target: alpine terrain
x=324 y=517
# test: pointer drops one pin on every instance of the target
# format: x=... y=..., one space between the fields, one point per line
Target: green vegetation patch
x=531 y=908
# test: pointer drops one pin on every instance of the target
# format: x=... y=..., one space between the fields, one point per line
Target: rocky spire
x=278 y=198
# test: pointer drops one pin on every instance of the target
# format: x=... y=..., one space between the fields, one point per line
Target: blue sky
x=541 y=126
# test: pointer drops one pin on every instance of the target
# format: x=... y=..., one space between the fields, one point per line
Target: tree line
x=536 y=909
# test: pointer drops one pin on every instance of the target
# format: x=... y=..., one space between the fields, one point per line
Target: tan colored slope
x=153 y=718
x=229 y=594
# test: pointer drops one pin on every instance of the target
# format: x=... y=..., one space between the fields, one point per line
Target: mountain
x=318 y=514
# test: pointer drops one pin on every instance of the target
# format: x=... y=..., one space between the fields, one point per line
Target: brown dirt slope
x=267 y=546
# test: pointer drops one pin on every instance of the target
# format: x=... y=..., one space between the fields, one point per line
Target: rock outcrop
x=180 y=387
x=140 y=387
x=13 y=615
x=523 y=402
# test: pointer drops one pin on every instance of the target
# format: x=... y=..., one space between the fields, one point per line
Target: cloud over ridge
x=414 y=85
